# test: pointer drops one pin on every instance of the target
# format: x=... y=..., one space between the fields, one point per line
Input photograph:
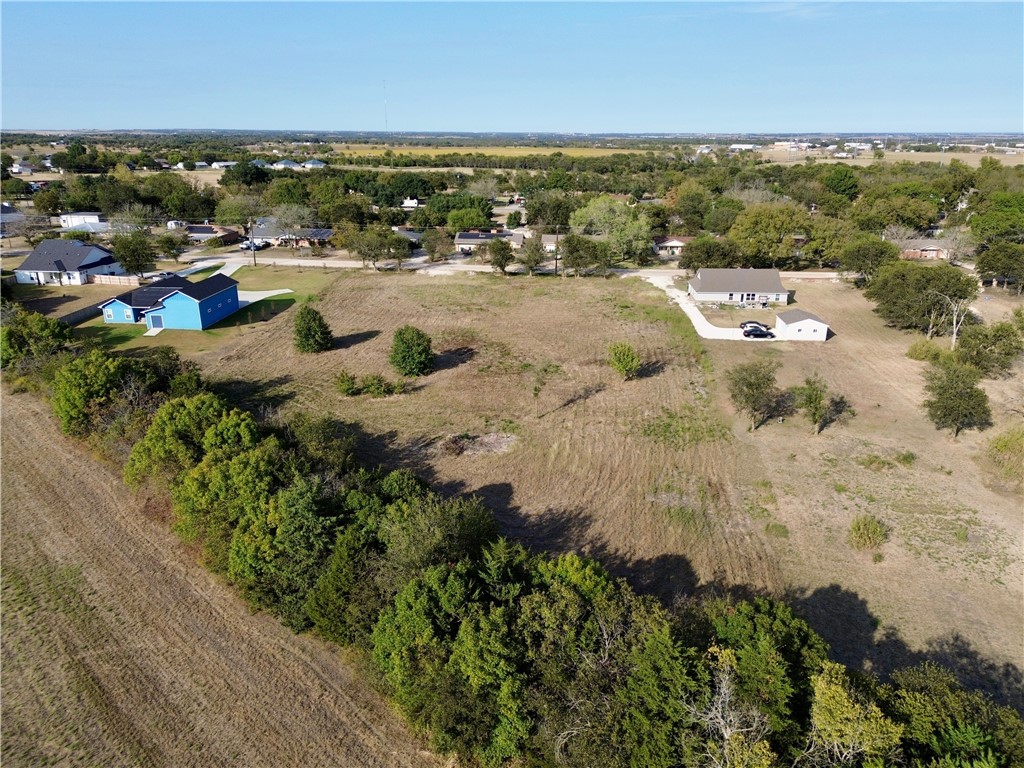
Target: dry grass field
x=972 y=159
x=667 y=490
x=118 y=649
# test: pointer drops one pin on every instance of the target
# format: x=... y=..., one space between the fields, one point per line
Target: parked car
x=161 y=276
x=249 y=245
x=753 y=324
x=758 y=333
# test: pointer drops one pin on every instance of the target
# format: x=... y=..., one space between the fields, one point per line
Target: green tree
x=812 y=399
x=753 y=390
x=170 y=245
x=500 y=252
x=87 y=384
x=240 y=210
x=847 y=729
x=766 y=233
x=411 y=354
x=866 y=255
x=134 y=251
x=438 y=245
x=466 y=218
x=244 y=174
x=627 y=231
x=26 y=334
x=841 y=180
x=1002 y=262
x=992 y=349
x=709 y=252
x=930 y=299
x=312 y=333
x=624 y=360
x=1000 y=217
x=956 y=401
x=532 y=254
x=514 y=219
x=577 y=253
x=175 y=440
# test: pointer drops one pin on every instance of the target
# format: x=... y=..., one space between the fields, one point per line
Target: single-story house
x=738 y=286
x=266 y=230
x=925 y=249
x=23 y=168
x=69 y=220
x=800 y=325
x=200 y=233
x=410 y=204
x=66 y=262
x=467 y=242
x=550 y=243
x=259 y=163
x=412 y=235
x=176 y=303
x=284 y=165
x=220 y=164
x=671 y=245
x=314 y=164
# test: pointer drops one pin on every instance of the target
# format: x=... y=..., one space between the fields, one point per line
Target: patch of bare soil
x=119 y=650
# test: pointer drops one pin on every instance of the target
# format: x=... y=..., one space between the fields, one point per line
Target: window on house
x=730 y=297
x=108 y=313
x=127 y=314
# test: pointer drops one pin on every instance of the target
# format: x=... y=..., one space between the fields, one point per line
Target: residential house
x=800 y=325
x=550 y=242
x=285 y=165
x=925 y=249
x=467 y=242
x=200 y=233
x=266 y=230
x=259 y=163
x=24 y=169
x=410 y=204
x=66 y=262
x=671 y=245
x=412 y=235
x=128 y=307
x=223 y=164
x=314 y=164
x=175 y=303
x=738 y=286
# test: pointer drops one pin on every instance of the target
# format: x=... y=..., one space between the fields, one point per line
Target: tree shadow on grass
x=352 y=339
x=257 y=312
x=453 y=358
x=857 y=639
x=650 y=369
x=254 y=395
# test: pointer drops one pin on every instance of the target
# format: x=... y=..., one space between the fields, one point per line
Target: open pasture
x=656 y=476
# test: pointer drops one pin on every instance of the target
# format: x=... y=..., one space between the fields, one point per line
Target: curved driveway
x=666 y=282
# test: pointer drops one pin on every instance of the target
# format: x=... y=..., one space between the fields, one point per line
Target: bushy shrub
x=624 y=360
x=30 y=334
x=311 y=331
x=411 y=354
x=868 y=532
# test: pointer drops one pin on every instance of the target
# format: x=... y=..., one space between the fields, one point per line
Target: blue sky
x=524 y=66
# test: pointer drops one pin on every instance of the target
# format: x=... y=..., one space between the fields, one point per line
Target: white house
x=410 y=204
x=671 y=245
x=314 y=164
x=738 y=286
x=550 y=243
x=68 y=220
x=285 y=165
x=467 y=242
x=223 y=164
x=23 y=168
x=800 y=325
x=66 y=262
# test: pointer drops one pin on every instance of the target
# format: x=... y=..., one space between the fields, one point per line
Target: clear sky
x=516 y=66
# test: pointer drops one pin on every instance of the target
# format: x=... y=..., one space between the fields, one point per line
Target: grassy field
x=658 y=477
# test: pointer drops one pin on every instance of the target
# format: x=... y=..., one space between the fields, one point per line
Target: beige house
x=738 y=286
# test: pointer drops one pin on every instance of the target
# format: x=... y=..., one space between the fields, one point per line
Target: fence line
x=129 y=280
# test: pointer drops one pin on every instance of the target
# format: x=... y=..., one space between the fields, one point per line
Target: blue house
x=176 y=303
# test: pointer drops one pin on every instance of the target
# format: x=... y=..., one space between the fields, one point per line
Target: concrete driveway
x=666 y=282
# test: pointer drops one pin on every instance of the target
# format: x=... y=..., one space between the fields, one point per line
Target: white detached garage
x=799 y=325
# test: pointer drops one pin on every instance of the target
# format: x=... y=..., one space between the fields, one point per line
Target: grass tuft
x=868 y=532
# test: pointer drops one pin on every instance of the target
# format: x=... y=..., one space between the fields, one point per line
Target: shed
x=800 y=325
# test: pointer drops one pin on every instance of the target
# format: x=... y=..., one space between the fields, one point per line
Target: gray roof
x=737 y=281
x=150 y=295
x=212 y=285
x=64 y=256
x=796 y=315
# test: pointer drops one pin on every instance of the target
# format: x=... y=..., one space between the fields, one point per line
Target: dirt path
x=118 y=649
